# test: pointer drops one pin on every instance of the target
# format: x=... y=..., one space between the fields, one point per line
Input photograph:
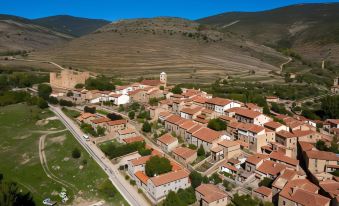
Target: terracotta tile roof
x=199 y=99
x=284 y=134
x=300 y=133
x=184 y=152
x=264 y=191
x=175 y=119
x=294 y=124
x=235 y=125
x=270 y=167
x=151 y=82
x=287 y=175
x=210 y=193
x=188 y=125
x=117 y=122
x=194 y=129
x=303 y=192
x=251 y=127
x=247 y=113
x=133 y=139
x=131 y=93
x=233 y=161
x=331 y=187
x=169 y=177
x=227 y=118
x=142 y=177
x=175 y=166
x=333 y=121
x=313 y=154
x=230 y=167
x=283 y=158
x=207 y=135
x=140 y=160
x=85 y=115
x=252 y=106
x=207 y=111
x=100 y=120
x=167 y=139
x=228 y=143
x=165 y=114
x=256 y=158
x=177 y=96
x=218 y=101
x=306 y=146
x=115 y=95
x=191 y=111
x=216 y=149
x=126 y=131
x=200 y=120
x=273 y=125
x=243 y=144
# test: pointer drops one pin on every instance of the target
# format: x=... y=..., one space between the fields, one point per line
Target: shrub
x=216 y=124
x=44 y=90
x=267 y=182
x=76 y=153
x=131 y=114
x=146 y=127
x=66 y=103
x=201 y=151
x=196 y=179
x=157 y=165
x=90 y=109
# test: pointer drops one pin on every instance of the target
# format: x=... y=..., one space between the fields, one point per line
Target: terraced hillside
x=18 y=34
x=312 y=30
x=184 y=49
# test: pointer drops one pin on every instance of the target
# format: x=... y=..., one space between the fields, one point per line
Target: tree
x=161 y=87
x=76 y=153
x=216 y=124
x=196 y=179
x=267 y=182
x=157 y=165
x=215 y=178
x=176 y=90
x=187 y=195
x=121 y=108
x=172 y=199
x=44 y=91
x=146 y=127
x=244 y=200
x=11 y=195
x=90 y=109
x=66 y=103
x=330 y=107
x=113 y=116
x=101 y=83
x=153 y=101
x=131 y=114
x=201 y=151
x=79 y=86
x=69 y=94
x=101 y=131
x=320 y=145
x=42 y=104
x=53 y=100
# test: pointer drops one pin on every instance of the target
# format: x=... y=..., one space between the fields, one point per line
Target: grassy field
x=22 y=127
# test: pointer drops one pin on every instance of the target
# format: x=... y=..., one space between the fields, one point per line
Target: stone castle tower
x=336 y=81
x=163 y=78
x=67 y=79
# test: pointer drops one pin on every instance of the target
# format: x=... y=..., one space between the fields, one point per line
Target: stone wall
x=67 y=79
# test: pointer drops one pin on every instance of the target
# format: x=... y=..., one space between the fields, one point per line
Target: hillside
x=71 y=25
x=18 y=34
x=184 y=49
x=312 y=30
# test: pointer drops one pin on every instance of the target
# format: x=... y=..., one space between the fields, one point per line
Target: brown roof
x=251 y=127
x=216 y=149
x=228 y=166
x=100 y=120
x=169 y=177
x=331 y=187
x=333 y=121
x=270 y=167
x=228 y=143
x=218 y=101
x=256 y=158
x=252 y=106
x=200 y=120
x=264 y=191
x=117 y=122
x=165 y=114
x=133 y=139
x=140 y=160
x=287 y=175
x=199 y=99
x=207 y=135
x=135 y=92
x=301 y=133
x=86 y=115
x=210 y=193
x=151 y=82
x=191 y=111
x=126 y=131
x=227 y=118
x=303 y=192
x=142 y=177
x=174 y=119
x=247 y=113
x=313 y=154
x=184 y=152
x=167 y=139
x=283 y=158
x=284 y=134
x=305 y=146
x=273 y=125
x=188 y=124
x=194 y=129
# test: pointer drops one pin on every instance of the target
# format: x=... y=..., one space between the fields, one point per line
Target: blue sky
x=122 y=9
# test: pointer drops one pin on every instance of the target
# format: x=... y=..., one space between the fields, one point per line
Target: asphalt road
x=131 y=196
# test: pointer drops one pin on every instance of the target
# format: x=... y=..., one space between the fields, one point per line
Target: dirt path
x=46 y=169
x=283 y=64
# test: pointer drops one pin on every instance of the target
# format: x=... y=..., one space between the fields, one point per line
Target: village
x=232 y=145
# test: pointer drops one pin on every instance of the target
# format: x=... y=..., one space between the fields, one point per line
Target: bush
x=157 y=165
x=146 y=127
x=44 y=91
x=215 y=179
x=42 y=104
x=53 y=100
x=113 y=151
x=100 y=83
x=90 y=109
x=76 y=153
x=216 y=124
x=196 y=179
x=176 y=90
x=65 y=103
x=192 y=146
x=131 y=114
x=267 y=182
x=201 y=151
x=132 y=182
x=101 y=131
x=113 y=116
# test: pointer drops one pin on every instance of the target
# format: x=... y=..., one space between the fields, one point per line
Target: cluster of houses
x=253 y=146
